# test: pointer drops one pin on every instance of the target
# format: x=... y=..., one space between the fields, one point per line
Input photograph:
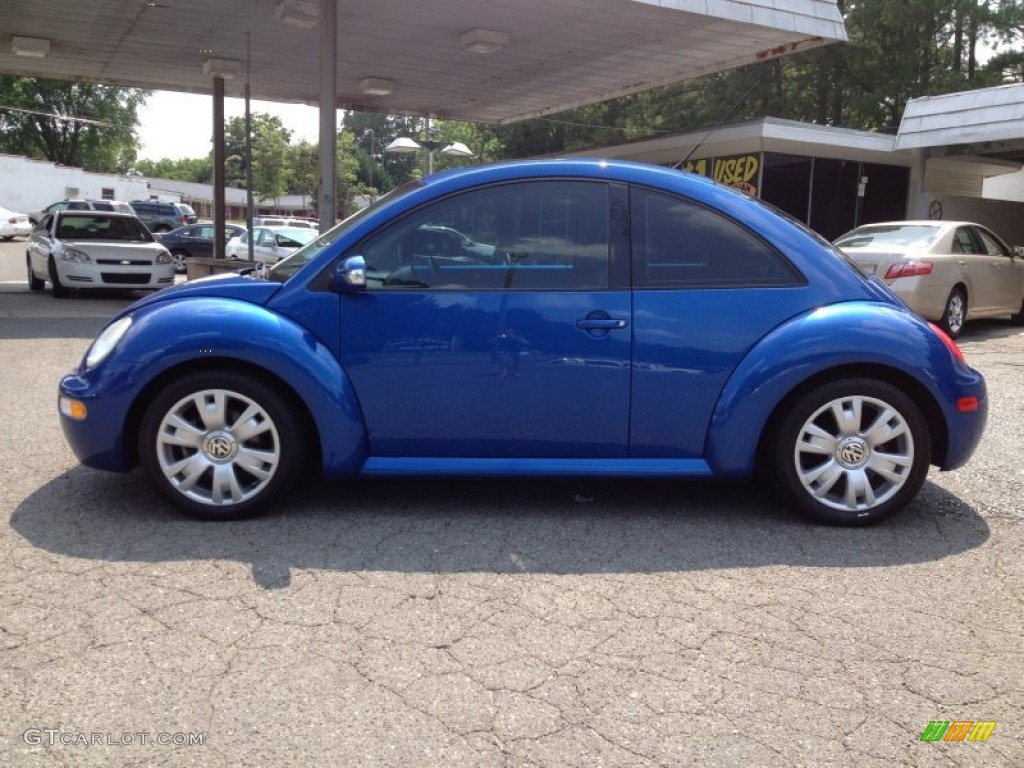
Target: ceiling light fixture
x=35 y=47
x=483 y=40
x=297 y=13
x=376 y=86
x=222 y=68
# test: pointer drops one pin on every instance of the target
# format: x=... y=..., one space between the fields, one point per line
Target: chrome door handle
x=600 y=324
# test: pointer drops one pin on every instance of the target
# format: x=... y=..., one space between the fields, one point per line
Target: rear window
x=890 y=236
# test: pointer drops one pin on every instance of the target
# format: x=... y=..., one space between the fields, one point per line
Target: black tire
x=1018 y=318
x=180 y=257
x=34 y=283
x=59 y=291
x=954 y=315
x=833 y=469
x=222 y=461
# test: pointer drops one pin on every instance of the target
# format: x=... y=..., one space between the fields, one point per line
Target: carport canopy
x=452 y=59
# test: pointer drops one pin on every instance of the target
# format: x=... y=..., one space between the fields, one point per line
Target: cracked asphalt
x=456 y=623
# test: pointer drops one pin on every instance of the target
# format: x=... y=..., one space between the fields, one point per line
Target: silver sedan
x=95 y=249
x=946 y=271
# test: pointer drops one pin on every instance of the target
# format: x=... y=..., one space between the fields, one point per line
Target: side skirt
x=388 y=466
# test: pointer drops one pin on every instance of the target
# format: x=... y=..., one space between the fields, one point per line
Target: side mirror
x=350 y=275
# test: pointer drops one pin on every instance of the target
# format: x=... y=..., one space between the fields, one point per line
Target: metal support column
x=218 y=168
x=328 y=203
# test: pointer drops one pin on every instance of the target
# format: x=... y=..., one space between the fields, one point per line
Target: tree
x=305 y=169
x=101 y=138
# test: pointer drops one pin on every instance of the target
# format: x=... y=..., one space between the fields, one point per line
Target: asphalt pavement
x=527 y=623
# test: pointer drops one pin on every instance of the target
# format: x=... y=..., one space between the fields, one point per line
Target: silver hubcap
x=179 y=262
x=955 y=313
x=218 y=447
x=854 y=453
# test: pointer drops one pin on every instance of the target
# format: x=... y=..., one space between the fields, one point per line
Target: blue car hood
x=226 y=286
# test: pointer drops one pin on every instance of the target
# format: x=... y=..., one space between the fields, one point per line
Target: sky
x=178 y=125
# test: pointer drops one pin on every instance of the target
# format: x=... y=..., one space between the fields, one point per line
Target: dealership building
x=957 y=156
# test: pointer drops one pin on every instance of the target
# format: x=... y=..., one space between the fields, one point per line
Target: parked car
x=80 y=205
x=160 y=216
x=13 y=224
x=74 y=249
x=270 y=244
x=193 y=240
x=946 y=271
x=277 y=221
x=630 y=321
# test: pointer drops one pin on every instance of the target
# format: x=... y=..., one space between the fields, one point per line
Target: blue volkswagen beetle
x=573 y=318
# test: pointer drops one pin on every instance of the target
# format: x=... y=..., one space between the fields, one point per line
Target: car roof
x=119 y=214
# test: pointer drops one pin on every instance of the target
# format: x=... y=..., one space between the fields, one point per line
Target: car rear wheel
x=219 y=445
x=59 y=291
x=955 y=313
x=180 y=258
x=34 y=283
x=1018 y=318
x=852 y=452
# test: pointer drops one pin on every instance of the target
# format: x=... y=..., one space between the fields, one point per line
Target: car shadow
x=493 y=526
x=988 y=328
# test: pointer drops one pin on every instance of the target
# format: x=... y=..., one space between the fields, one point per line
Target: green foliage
x=110 y=144
x=198 y=169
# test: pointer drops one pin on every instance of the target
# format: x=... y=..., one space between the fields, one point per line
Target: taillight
x=950 y=344
x=908 y=269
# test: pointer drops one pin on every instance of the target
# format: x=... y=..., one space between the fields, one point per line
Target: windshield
x=283 y=270
x=87 y=226
x=889 y=236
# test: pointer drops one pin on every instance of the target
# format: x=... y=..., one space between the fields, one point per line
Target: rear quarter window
x=678 y=243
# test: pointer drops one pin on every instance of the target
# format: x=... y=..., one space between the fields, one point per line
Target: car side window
x=963 y=242
x=678 y=243
x=990 y=245
x=266 y=237
x=528 y=236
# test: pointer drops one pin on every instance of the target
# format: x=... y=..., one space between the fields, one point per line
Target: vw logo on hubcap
x=853 y=453
x=219 y=447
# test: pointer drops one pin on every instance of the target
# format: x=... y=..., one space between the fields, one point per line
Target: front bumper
x=98 y=439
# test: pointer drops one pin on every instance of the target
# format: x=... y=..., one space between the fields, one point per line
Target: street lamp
x=406 y=146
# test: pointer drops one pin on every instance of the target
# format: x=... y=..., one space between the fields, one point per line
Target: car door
x=39 y=244
x=978 y=269
x=519 y=349
x=705 y=286
x=265 y=246
x=1006 y=273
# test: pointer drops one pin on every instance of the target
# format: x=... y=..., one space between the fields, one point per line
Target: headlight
x=106 y=341
x=79 y=257
x=163 y=258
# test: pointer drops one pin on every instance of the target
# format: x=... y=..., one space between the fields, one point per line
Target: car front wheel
x=59 y=291
x=955 y=313
x=219 y=445
x=852 y=452
x=180 y=259
x=34 y=283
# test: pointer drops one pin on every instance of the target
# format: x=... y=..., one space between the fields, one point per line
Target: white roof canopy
x=405 y=56
x=986 y=122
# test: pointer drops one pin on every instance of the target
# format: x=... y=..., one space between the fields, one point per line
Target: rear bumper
x=965 y=429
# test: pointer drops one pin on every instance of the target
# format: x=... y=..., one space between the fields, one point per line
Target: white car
x=946 y=271
x=13 y=224
x=96 y=249
x=270 y=244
